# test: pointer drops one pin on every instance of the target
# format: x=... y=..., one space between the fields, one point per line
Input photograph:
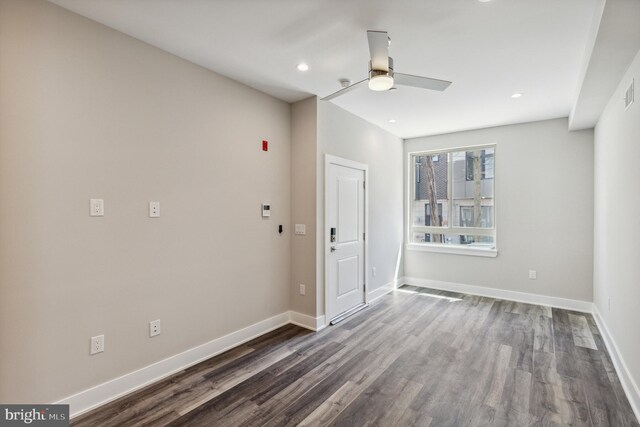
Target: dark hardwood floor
x=418 y=357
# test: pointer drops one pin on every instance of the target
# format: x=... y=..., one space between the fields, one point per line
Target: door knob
x=333 y=249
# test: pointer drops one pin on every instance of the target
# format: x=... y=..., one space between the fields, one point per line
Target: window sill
x=452 y=249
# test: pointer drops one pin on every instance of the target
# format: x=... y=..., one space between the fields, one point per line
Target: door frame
x=335 y=160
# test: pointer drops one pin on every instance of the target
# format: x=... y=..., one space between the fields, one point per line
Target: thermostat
x=266 y=210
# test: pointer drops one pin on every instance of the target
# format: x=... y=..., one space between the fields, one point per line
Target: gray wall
x=342 y=134
x=544 y=204
x=320 y=128
x=617 y=228
x=87 y=112
x=304 y=117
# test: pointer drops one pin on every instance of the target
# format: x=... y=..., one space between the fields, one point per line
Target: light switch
x=301 y=229
x=96 y=207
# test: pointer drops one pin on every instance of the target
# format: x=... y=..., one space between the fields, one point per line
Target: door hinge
x=364 y=236
x=364 y=185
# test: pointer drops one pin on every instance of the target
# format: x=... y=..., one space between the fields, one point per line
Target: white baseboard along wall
x=628 y=383
x=568 y=304
x=111 y=390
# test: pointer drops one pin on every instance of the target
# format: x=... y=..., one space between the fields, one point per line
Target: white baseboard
x=318 y=323
x=568 y=304
x=630 y=386
x=306 y=321
x=628 y=383
x=101 y=394
x=378 y=293
x=113 y=389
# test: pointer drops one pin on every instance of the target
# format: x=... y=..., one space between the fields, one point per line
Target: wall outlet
x=96 y=207
x=97 y=344
x=154 y=209
x=303 y=289
x=533 y=275
x=628 y=96
x=154 y=328
x=374 y=272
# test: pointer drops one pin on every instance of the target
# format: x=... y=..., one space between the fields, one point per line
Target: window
x=460 y=183
x=485 y=165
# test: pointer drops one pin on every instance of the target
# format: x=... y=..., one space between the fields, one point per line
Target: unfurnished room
x=319 y=213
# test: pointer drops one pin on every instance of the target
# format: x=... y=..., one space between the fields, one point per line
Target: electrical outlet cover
x=96 y=207
x=97 y=344
x=154 y=328
x=154 y=209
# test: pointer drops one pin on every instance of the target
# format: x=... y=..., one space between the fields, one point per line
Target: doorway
x=345 y=237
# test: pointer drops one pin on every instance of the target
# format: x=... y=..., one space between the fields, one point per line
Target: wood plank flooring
x=419 y=357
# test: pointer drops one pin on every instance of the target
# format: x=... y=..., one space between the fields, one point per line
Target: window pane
x=427 y=238
x=419 y=237
x=472 y=188
x=469 y=241
x=430 y=187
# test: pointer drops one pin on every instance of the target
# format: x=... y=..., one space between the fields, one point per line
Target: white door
x=345 y=238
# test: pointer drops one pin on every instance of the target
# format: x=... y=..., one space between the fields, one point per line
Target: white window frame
x=443 y=247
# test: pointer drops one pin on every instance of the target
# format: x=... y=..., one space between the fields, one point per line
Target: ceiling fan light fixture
x=381 y=74
x=380 y=82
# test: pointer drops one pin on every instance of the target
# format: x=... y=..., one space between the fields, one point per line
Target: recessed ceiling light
x=392 y=120
x=516 y=95
x=484 y=1
x=302 y=66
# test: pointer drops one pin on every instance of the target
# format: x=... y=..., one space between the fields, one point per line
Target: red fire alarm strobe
x=265 y=145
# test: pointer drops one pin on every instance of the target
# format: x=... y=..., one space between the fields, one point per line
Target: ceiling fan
x=381 y=74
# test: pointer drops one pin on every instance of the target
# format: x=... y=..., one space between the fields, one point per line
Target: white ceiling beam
x=613 y=43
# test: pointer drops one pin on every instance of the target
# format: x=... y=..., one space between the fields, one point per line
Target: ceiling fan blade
x=421 y=82
x=379 y=49
x=343 y=91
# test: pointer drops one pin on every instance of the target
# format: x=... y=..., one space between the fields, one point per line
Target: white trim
x=452 y=149
x=568 y=304
x=306 y=321
x=628 y=384
x=104 y=393
x=108 y=391
x=330 y=159
x=381 y=291
x=451 y=249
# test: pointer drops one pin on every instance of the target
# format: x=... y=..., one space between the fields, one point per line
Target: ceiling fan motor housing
x=381 y=74
x=381 y=79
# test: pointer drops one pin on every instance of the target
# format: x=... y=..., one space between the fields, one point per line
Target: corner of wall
x=303 y=205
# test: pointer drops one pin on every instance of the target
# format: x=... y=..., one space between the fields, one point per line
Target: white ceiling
x=489 y=50
x=615 y=40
